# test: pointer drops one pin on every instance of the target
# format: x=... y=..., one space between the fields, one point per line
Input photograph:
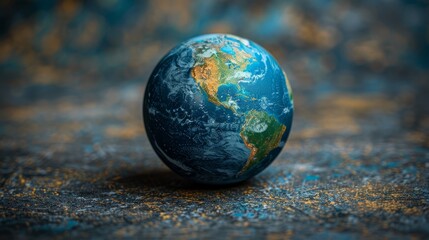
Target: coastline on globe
x=218 y=109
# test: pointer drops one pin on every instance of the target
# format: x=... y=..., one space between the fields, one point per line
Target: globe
x=218 y=109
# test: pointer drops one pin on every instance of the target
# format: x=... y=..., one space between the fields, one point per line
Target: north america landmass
x=225 y=65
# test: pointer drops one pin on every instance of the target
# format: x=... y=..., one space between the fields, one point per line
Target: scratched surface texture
x=75 y=161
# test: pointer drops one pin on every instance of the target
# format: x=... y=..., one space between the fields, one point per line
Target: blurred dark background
x=50 y=50
x=79 y=52
x=72 y=75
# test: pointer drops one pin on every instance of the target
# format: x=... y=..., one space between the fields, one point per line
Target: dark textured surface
x=75 y=161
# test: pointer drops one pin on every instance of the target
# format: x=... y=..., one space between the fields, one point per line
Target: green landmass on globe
x=261 y=133
x=218 y=109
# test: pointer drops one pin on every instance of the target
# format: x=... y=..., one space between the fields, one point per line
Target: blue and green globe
x=218 y=109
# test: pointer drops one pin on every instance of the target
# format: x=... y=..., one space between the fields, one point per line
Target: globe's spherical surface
x=218 y=109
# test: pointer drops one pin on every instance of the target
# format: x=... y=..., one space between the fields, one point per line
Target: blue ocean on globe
x=218 y=109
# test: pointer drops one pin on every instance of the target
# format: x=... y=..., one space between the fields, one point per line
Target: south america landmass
x=261 y=132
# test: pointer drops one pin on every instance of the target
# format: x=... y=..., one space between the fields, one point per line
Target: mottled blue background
x=75 y=161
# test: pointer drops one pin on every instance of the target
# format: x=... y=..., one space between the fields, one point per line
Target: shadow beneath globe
x=166 y=179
